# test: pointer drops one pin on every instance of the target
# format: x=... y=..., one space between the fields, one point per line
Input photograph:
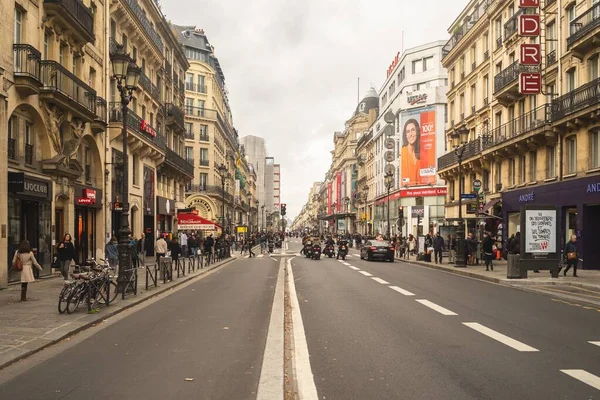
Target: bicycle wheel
x=63 y=297
x=77 y=295
x=113 y=292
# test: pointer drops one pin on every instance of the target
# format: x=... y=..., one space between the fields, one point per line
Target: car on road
x=377 y=249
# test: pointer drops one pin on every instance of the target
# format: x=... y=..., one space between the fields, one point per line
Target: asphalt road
x=213 y=331
x=439 y=336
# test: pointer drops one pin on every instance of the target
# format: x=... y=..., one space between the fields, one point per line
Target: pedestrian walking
x=111 y=252
x=250 y=244
x=141 y=249
x=66 y=254
x=488 y=251
x=184 y=244
x=23 y=260
x=176 y=249
x=451 y=249
x=438 y=247
x=571 y=255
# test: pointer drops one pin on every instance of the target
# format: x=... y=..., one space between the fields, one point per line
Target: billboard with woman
x=418 y=153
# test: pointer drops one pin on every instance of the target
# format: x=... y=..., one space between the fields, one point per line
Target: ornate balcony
x=204 y=137
x=100 y=123
x=538 y=118
x=214 y=190
x=551 y=58
x=190 y=136
x=168 y=70
x=12 y=148
x=178 y=163
x=512 y=25
x=462 y=30
x=576 y=100
x=204 y=163
x=584 y=32
x=506 y=83
x=147 y=27
x=175 y=117
x=144 y=134
x=449 y=159
x=74 y=17
x=67 y=90
x=27 y=69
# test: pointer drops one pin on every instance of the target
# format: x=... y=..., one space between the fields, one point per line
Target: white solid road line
x=515 y=344
x=354 y=268
x=270 y=384
x=583 y=376
x=401 y=291
x=365 y=273
x=433 y=306
x=305 y=381
x=595 y=343
x=345 y=263
x=379 y=280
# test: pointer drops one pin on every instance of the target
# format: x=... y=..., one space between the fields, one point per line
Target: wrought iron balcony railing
x=509 y=75
x=576 y=100
x=585 y=23
x=551 y=58
x=145 y=23
x=211 y=189
x=12 y=148
x=472 y=148
x=78 y=12
x=26 y=60
x=101 y=109
x=534 y=119
x=29 y=154
x=134 y=122
x=204 y=162
x=204 y=137
x=179 y=162
x=88 y=173
x=175 y=112
x=462 y=30
x=512 y=25
x=55 y=77
x=190 y=135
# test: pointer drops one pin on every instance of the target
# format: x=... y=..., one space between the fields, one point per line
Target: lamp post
x=263 y=217
x=256 y=203
x=389 y=182
x=127 y=74
x=346 y=201
x=459 y=141
x=365 y=195
x=223 y=173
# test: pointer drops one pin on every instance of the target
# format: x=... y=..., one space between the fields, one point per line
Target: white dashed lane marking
x=354 y=268
x=583 y=376
x=595 y=343
x=365 y=273
x=379 y=280
x=435 y=307
x=510 y=342
x=402 y=291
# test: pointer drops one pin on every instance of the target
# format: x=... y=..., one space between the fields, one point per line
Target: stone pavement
x=28 y=327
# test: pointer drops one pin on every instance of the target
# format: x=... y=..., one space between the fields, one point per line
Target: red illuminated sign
x=530 y=83
x=531 y=54
x=529 y=3
x=394 y=64
x=529 y=25
x=84 y=201
x=144 y=127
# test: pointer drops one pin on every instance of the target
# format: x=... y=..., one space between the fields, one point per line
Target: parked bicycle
x=94 y=287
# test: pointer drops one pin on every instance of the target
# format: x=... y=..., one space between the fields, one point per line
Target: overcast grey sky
x=291 y=67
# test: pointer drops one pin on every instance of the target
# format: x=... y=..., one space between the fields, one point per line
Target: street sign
x=390 y=143
x=417 y=211
x=389 y=156
x=389 y=169
x=389 y=117
x=529 y=3
x=529 y=25
x=468 y=196
x=477 y=185
x=400 y=222
x=530 y=83
x=531 y=54
x=388 y=130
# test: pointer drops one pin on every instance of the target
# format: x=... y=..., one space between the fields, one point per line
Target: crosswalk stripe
x=583 y=376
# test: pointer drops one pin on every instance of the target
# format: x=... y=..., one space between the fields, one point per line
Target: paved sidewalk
x=28 y=327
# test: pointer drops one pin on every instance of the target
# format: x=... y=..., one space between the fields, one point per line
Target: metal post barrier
x=131 y=283
x=107 y=300
x=191 y=264
x=153 y=276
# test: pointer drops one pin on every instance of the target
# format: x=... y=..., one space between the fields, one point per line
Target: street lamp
x=256 y=203
x=223 y=173
x=365 y=195
x=127 y=74
x=389 y=182
x=459 y=142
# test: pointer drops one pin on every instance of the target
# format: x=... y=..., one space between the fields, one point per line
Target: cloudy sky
x=292 y=67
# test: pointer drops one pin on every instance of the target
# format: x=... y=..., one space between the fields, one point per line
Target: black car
x=377 y=249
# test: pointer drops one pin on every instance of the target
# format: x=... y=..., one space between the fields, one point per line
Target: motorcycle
x=270 y=247
x=342 y=251
x=329 y=251
x=308 y=249
x=316 y=252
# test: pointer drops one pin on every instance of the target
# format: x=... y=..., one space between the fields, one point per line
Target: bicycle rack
x=130 y=283
x=151 y=275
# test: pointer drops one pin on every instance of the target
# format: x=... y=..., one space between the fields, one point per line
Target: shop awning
x=491 y=204
x=195 y=222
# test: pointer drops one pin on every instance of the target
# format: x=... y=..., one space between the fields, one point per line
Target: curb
x=112 y=313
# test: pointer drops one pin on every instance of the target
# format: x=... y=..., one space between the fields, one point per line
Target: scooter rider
x=342 y=245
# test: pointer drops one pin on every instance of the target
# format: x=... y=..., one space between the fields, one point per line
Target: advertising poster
x=329 y=193
x=540 y=231
x=418 y=156
x=338 y=191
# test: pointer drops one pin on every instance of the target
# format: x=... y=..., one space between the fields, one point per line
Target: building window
x=571 y=14
x=550 y=162
x=486 y=180
x=417 y=66
x=533 y=166
x=189 y=106
x=427 y=63
x=571 y=154
x=594 y=150
x=401 y=76
x=511 y=172
x=570 y=80
x=392 y=89
x=189 y=153
x=593 y=67
x=522 y=170
x=144 y=112
x=203 y=154
x=486 y=80
x=135 y=169
x=550 y=37
x=201 y=104
x=18 y=33
x=384 y=99
x=47 y=41
x=203 y=179
x=189 y=128
x=29 y=143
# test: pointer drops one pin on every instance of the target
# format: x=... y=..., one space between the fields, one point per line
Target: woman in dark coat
x=66 y=254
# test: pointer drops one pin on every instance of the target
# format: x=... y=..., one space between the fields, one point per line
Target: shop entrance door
x=29 y=223
x=589 y=245
x=149 y=231
x=84 y=233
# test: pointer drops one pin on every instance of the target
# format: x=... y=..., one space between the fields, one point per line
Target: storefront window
x=514 y=223
x=570 y=223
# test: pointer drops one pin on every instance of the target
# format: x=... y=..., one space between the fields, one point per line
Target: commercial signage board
x=529 y=25
x=418 y=156
x=417 y=211
x=531 y=54
x=530 y=83
x=540 y=247
x=529 y=3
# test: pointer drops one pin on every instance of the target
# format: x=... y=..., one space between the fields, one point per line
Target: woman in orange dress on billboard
x=410 y=153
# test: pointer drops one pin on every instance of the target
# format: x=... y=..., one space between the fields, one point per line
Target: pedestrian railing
x=130 y=284
x=180 y=265
x=151 y=276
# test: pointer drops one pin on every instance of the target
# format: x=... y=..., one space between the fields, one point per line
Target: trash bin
x=512 y=268
x=164 y=263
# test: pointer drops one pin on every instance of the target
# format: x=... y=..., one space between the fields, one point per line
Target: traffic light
x=401 y=212
x=283 y=209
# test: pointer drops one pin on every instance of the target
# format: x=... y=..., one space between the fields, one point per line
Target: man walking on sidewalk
x=438 y=247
